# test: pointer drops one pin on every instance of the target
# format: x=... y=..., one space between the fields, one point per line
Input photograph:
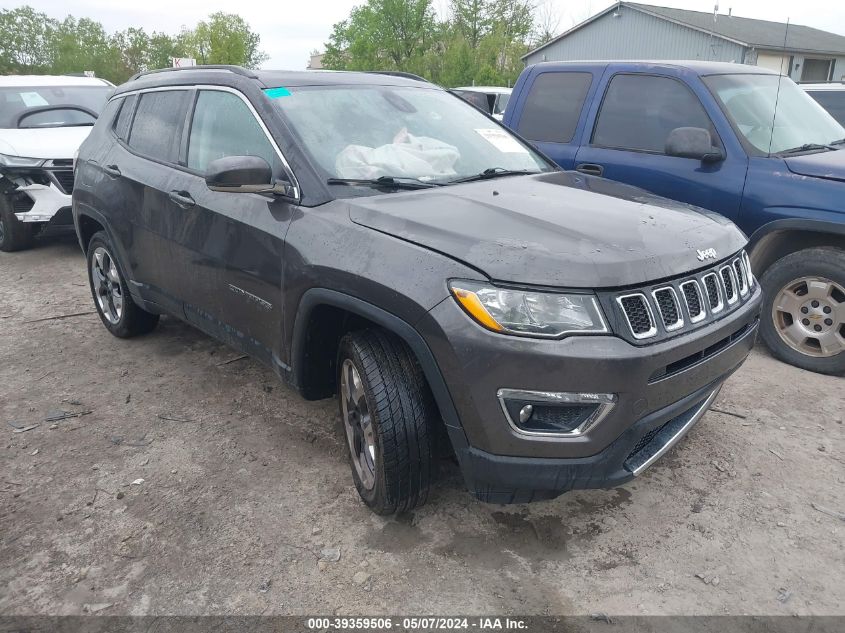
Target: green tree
x=383 y=35
x=24 y=40
x=225 y=38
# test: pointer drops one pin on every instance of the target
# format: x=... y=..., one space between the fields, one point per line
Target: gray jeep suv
x=372 y=236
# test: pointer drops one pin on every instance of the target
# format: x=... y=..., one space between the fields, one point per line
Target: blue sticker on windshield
x=276 y=93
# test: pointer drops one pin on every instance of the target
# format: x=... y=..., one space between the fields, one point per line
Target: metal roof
x=749 y=32
x=698 y=67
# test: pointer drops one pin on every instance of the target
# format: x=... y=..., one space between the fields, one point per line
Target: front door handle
x=112 y=170
x=182 y=199
x=590 y=169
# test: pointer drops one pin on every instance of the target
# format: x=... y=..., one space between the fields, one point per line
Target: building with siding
x=629 y=30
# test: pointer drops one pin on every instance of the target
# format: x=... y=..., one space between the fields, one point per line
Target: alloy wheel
x=106 y=283
x=809 y=316
x=358 y=424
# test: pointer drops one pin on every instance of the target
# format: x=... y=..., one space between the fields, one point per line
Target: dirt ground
x=196 y=486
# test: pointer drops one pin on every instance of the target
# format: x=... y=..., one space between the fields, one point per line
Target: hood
x=829 y=165
x=53 y=142
x=559 y=229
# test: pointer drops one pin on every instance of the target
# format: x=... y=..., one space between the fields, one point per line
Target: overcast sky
x=290 y=30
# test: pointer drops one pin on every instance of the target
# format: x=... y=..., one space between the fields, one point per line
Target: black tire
x=403 y=415
x=14 y=234
x=132 y=320
x=822 y=262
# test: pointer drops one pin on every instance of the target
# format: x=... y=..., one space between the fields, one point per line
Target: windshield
x=16 y=101
x=369 y=132
x=749 y=102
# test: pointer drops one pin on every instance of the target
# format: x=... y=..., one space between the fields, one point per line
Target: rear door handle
x=590 y=168
x=182 y=199
x=112 y=170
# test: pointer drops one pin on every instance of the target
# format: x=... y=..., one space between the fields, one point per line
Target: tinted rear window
x=121 y=123
x=831 y=100
x=553 y=106
x=157 y=126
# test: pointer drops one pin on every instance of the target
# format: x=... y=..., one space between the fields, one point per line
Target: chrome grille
x=669 y=308
x=657 y=311
x=638 y=314
x=714 y=293
x=730 y=287
x=739 y=271
x=694 y=300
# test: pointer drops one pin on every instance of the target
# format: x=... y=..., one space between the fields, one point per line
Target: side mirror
x=693 y=142
x=243 y=174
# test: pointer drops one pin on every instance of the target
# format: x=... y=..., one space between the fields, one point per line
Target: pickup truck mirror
x=242 y=174
x=693 y=142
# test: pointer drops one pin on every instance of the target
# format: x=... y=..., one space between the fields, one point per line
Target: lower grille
x=645 y=440
x=22 y=203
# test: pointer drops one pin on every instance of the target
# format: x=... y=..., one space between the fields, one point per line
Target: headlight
x=20 y=161
x=528 y=312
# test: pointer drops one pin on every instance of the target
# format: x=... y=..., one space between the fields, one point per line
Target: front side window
x=157 y=126
x=18 y=101
x=424 y=133
x=639 y=113
x=223 y=125
x=553 y=106
x=772 y=113
x=501 y=103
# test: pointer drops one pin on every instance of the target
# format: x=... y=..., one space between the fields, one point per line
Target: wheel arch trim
x=316 y=297
x=764 y=241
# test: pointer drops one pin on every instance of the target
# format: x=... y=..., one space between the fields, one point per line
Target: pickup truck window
x=640 y=111
x=749 y=101
x=553 y=106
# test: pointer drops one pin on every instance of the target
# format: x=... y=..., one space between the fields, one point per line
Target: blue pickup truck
x=739 y=140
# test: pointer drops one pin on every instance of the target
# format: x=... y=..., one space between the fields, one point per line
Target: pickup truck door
x=550 y=109
x=630 y=120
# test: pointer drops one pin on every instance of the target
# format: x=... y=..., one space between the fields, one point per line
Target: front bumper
x=47 y=202
x=500 y=463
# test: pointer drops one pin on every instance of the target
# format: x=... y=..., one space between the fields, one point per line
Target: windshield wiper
x=839 y=142
x=384 y=182
x=493 y=172
x=808 y=147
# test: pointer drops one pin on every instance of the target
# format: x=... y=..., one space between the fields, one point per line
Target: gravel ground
x=195 y=486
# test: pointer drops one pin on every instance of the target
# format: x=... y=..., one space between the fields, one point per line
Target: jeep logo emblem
x=709 y=253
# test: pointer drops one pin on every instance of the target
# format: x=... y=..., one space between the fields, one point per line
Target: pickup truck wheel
x=14 y=234
x=804 y=309
x=388 y=417
x=118 y=312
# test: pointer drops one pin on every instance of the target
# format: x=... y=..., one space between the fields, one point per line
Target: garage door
x=778 y=63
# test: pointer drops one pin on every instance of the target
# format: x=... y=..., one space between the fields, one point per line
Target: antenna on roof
x=780 y=80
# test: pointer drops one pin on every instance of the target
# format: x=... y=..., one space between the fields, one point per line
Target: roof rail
x=239 y=70
x=398 y=73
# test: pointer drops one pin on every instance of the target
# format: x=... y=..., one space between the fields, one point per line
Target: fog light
x=525 y=413
x=554 y=413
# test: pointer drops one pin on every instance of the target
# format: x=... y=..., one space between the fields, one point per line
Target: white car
x=490 y=99
x=831 y=96
x=43 y=120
